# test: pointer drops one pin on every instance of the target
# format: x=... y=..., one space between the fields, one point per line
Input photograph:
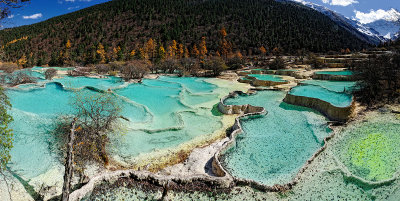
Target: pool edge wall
x=264 y=83
x=332 y=112
x=244 y=111
x=333 y=77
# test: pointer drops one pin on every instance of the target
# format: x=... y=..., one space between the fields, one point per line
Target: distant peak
x=392 y=15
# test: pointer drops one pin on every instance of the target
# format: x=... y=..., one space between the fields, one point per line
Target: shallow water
x=80 y=82
x=337 y=86
x=162 y=113
x=267 y=77
x=346 y=72
x=274 y=147
x=371 y=149
x=313 y=91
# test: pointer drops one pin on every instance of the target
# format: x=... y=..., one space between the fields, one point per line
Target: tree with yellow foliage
x=222 y=32
x=181 y=51
x=68 y=44
x=195 y=52
x=170 y=52
x=276 y=51
x=132 y=54
x=101 y=53
x=115 y=52
x=161 y=52
x=174 y=47
x=263 y=50
x=186 y=54
x=225 y=47
x=150 y=48
x=22 y=61
x=203 y=48
x=142 y=54
x=66 y=56
x=217 y=54
x=239 y=55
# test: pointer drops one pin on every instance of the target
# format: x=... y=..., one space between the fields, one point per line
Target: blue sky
x=40 y=10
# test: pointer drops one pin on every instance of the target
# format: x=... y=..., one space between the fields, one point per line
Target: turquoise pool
x=80 y=82
x=57 y=68
x=33 y=112
x=313 y=91
x=267 y=77
x=346 y=72
x=337 y=86
x=274 y=147
x=162 y=114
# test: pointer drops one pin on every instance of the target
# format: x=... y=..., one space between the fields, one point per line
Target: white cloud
x=34 y=16
x=339 y=2
x=372 y=16
x=73 y=7
x=11 y=16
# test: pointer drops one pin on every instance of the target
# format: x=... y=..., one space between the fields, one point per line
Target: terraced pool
x=346 y=72
x=337 y=86
x=274 y=147
x=267 y=77
x=335 y=98
x=162 y=113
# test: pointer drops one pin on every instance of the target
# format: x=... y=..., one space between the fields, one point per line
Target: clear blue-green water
x=162 y=113
x=57 y=68
x=335 y=98
x=99 y=83
x=175 y=116
x=274 y=147
x=337 y=86
x=346 y=72
x=267 y=77
x=33 y=112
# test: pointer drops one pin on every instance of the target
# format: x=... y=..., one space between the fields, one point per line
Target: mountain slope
x=129 y=23
x=363 y=32
x=386 y=28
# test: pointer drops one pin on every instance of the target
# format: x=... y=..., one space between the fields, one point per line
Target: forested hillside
x=119 y=30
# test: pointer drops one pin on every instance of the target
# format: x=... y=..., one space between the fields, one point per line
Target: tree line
x=121 y=29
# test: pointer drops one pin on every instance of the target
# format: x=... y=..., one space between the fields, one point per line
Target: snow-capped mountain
x=362 y=31
x=388 y=26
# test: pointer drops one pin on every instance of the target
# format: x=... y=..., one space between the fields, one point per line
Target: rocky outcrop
x=333 y=113
x=158 y=180
x=286 y=72
x=244 y=80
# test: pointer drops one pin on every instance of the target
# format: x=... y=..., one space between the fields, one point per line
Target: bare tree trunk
x=69 y=165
